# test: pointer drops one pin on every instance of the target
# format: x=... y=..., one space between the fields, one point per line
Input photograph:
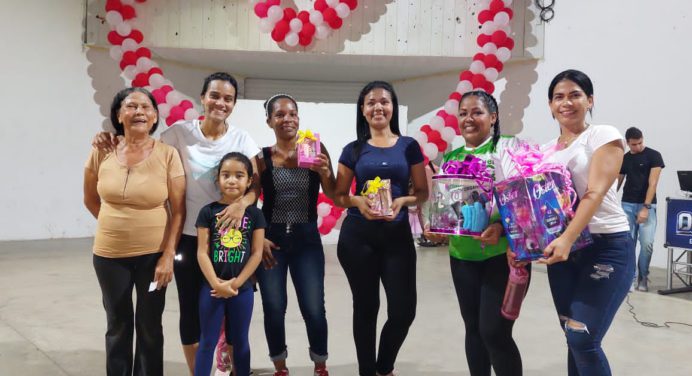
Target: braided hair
x=491 y=105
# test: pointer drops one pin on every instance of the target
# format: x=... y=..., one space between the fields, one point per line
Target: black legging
x=480 y=288
x=188 y=280
x=371 y=251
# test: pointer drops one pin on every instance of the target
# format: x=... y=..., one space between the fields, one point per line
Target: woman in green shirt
x=479 y=264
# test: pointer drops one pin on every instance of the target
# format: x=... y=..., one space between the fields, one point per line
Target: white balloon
x=421 y=137
x=322 y=32
x=124 y=29
x=437 y=122
x=501 y=18
x=488 y=27
x=448 y=134
x=114 y=18
x=489 y=48
x=296 y=25
x=340 y=221
x=130 y=72
x=464 y=86
x=164 y=110
x=323 y=209
x=156 y=80
x=491 y=74
x=316 y=17
x=127 y=2
x=342 y=10
x=477 y=67
x=332 y=3
x=144 y=64
x=430 y=150
x=191 y=114
x=275 y=13
x=174 y=97
x=451 y=106
x=265 y=25
x=503 y=54
x=116 y=53
x=129 y=44
x=319 y=221
x=291 y=39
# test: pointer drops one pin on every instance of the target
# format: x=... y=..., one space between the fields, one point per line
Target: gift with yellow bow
x=379 y=194
x=307 y=148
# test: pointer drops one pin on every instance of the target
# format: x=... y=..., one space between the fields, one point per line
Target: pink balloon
x=451 y=121
x=261 y=9
x=186 y=104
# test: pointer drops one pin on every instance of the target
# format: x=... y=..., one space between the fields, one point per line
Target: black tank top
x=290 y=194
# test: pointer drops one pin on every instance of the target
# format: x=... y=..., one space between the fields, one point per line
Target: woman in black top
x=292 y=238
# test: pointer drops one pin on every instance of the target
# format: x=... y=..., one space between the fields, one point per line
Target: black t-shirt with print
x=229 y=250
x=636 y=168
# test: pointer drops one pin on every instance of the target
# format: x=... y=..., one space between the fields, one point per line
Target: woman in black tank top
x=292 y=240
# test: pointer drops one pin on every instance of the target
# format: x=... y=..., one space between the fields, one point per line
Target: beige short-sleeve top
x=133 y=216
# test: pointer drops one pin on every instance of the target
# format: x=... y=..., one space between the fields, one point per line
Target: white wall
x=53 y=93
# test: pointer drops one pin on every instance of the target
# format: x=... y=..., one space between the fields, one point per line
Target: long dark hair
x=362 y=126
x=492 y=107
x=578 y=77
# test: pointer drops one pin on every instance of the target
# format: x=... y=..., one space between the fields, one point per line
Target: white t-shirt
x=609 y=217
x=200 y=158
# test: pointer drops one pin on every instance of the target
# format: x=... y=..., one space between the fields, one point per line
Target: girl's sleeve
x=204 y=218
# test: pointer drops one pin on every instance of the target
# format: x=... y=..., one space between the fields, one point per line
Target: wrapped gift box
x=379 y=194
x=307 y=148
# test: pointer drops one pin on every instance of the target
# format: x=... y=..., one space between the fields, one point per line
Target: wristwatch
x=648 y=206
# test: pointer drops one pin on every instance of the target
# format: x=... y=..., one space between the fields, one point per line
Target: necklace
x=566 y=142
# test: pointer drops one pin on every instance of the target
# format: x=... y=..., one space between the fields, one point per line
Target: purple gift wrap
x=461 y=198
x=536 y=206
x=307 y=148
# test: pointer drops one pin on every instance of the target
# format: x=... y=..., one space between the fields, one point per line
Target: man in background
x=641 y=169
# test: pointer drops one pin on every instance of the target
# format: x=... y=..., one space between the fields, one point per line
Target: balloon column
x=137 y=66
x=285 y=25
x=495 y=49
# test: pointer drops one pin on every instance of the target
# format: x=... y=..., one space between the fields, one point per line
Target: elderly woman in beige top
x=137 y=194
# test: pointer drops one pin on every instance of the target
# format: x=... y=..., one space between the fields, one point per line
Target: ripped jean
x=587 y=291
x=644 y=232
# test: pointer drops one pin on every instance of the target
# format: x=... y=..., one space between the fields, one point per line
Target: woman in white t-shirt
x=588 y=285
x=201 y=145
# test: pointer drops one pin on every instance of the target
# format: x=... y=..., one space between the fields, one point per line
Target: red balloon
x=441 y=113
x=496 y=6
x=114 y=38
x=328 y=224
x=320 y=5
x=129 y=58
x=278 y=36
x=128 y=12
x=479 y=56
x=186 y=104
x=140 y=80
x=456 y=96
x=434 y=136
x=143 y=51
x=336 y=23
x=352 y=4
x=465 y=75
x=304 y=16
x=485 y=16
x=289 y=14
x=499 y=66
x=155 y=70
x=426 y=129
x=509 y=43
x=498 y=37
x=483 y=39
x=478 y=80
x=113 y=5
x=308 y=29
x=451 y=121
x=304 y=40
x=509 y=12
x=136 y=35
x=489 y=87
x=271 y=3
x=177 y=113
x=159 y=95
x=141 y=1
x=261 y=10
x=166 y=89
x=283 y=27
x=441 y=145
x=490 y=60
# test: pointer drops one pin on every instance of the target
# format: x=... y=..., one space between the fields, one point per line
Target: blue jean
x=645 y=232
x=237 y=311
x=587 y=291
x=300 y=252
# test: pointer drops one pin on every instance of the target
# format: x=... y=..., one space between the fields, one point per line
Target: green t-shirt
x=465 y=247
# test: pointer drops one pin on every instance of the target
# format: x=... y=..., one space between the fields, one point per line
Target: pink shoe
x=321 y=371
x=223 y=357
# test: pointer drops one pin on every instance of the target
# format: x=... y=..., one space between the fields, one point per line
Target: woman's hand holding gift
x=491 y=235
x=557 y=251
x=364 y=207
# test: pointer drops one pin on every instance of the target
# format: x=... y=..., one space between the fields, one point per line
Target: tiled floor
x=52 y=322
